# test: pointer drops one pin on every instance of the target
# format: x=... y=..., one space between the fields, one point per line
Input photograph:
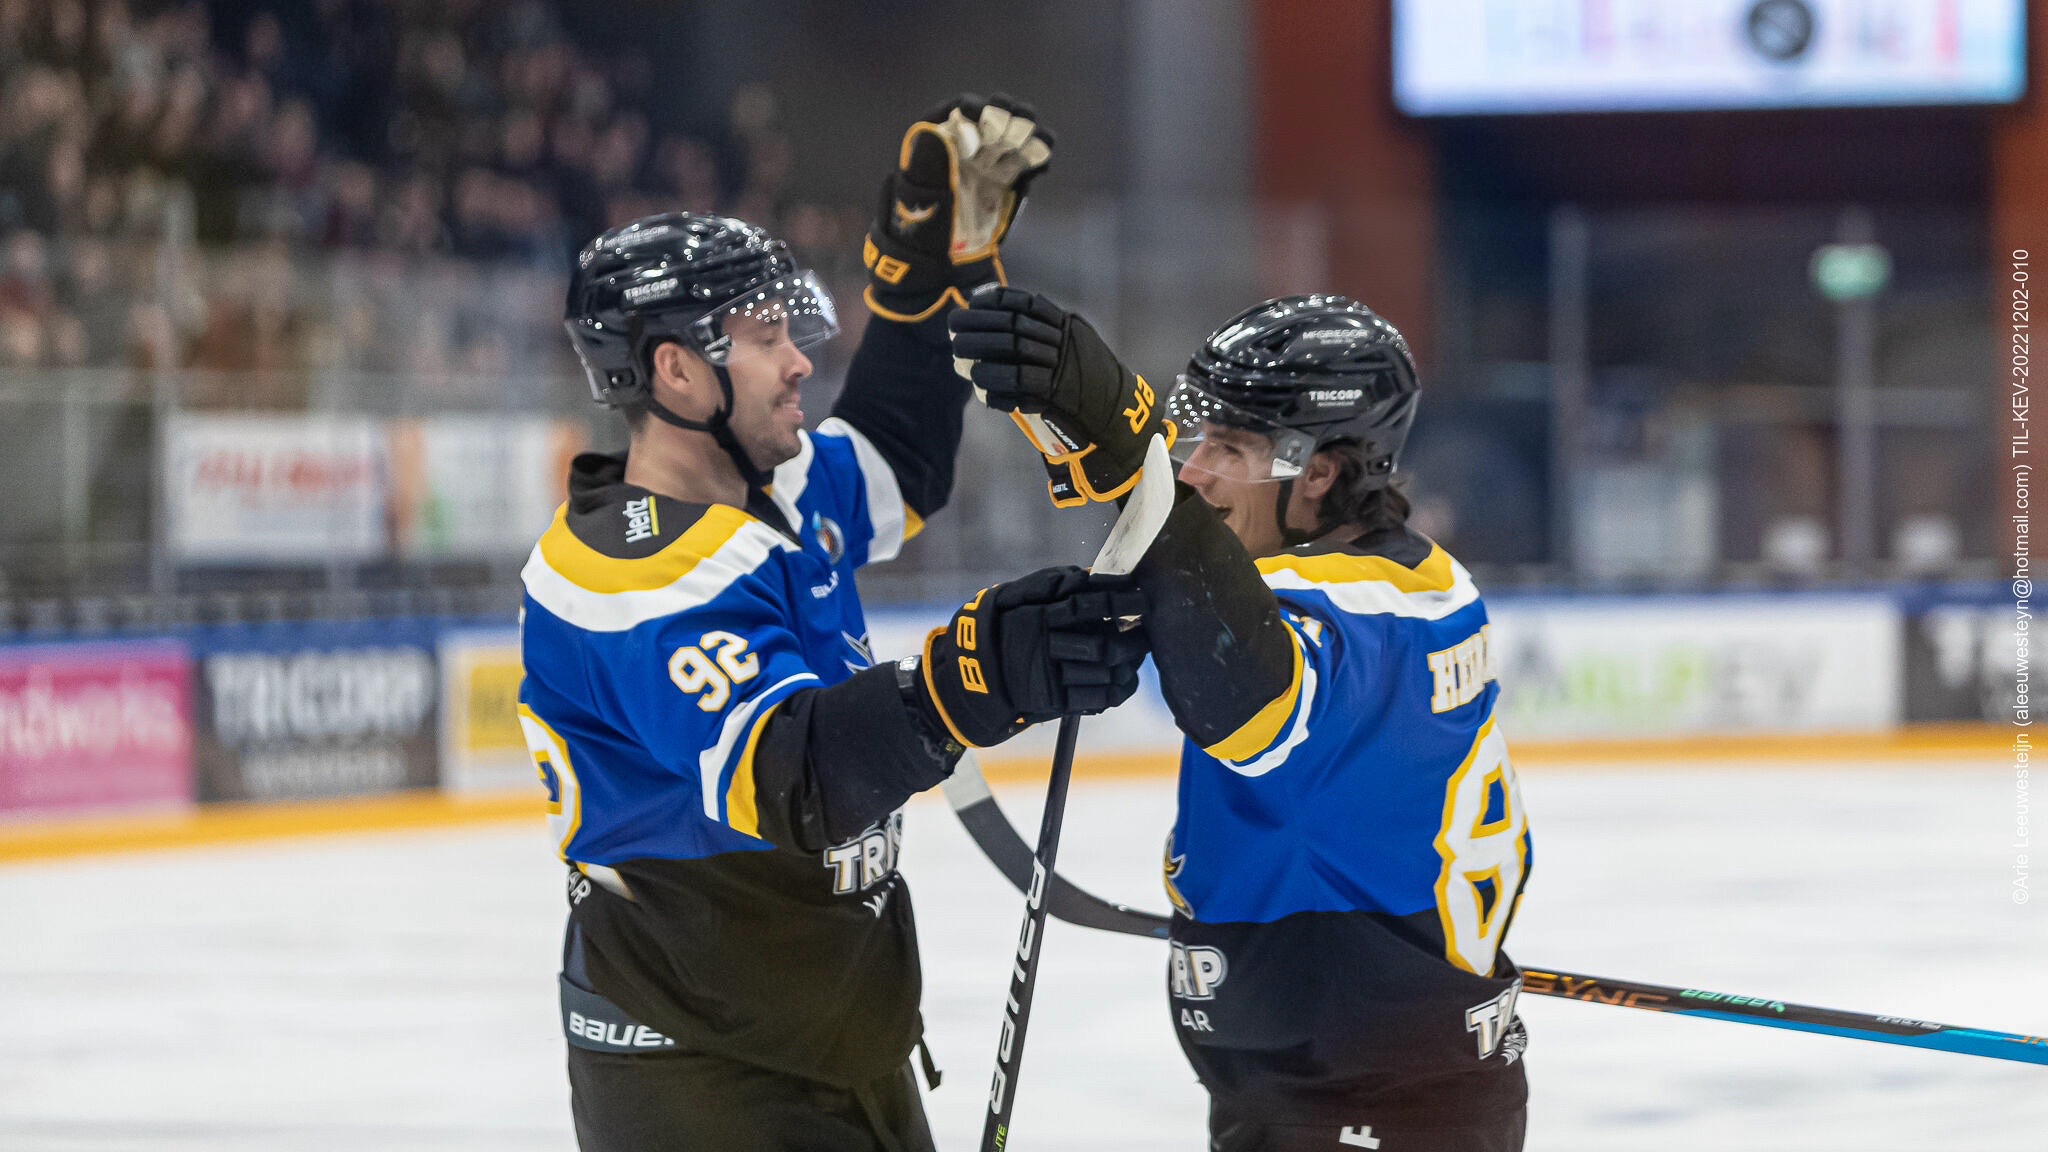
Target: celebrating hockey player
x=724 y=766
x=1351 y=841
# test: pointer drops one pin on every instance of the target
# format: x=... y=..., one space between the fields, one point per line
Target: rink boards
x=281 y=714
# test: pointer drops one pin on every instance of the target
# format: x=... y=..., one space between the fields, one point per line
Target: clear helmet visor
x=767 y=320
x=1234 y=443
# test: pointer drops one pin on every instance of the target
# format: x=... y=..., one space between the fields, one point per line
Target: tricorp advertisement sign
x=316 y=710
x=86 y=726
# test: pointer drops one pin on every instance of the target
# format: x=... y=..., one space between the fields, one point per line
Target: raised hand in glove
x=1090 y=416
x=960 y=175
x=1058 y=642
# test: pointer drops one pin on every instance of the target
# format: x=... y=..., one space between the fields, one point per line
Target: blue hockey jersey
x=660 y=667
x=659 y=637
x=1345 y=866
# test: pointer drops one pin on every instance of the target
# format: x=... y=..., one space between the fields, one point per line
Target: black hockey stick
x=993 y=833
x=1143 y=515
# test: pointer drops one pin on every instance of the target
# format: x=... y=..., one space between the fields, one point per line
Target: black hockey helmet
x=683 y=276
x=1305 y=372
x=680 y=276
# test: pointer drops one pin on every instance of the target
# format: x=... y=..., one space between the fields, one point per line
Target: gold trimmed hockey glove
x=960 y=176
x=1088 y=414
x=1059 y=642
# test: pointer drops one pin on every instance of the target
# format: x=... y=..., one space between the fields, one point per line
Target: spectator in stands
x=363 y=125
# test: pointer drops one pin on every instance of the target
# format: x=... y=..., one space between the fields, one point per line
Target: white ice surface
x=396 y=991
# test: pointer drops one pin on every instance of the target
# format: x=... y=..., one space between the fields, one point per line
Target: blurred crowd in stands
x=345 y=167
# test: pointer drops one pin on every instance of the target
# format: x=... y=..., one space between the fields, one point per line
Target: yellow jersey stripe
x=565 y=814
x=912 y=523
x=742 y=813
x=1258 y=733
x=1434 y=574
x=593 y=571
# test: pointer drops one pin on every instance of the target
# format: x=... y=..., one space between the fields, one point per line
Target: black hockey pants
x=1503 y=1135
x=690 y=1102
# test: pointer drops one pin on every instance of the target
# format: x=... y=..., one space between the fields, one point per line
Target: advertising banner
x=1673 y=666
x=477 y=486
x=303 y=711
x=1467 y=57
x=1963 y=655
x=482 y=746
x=94 y=726
x=277 y=489
x=1610 y=667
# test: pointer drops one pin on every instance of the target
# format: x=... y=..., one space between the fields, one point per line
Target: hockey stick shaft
x=1779 y=1014
x=1002 y=1093
x=1143 y=515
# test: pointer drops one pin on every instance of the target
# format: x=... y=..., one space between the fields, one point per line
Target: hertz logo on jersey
x=642 y=521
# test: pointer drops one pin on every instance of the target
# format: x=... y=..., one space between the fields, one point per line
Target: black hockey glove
x=960 y=175
x=1058 y=642
x=1090 y=416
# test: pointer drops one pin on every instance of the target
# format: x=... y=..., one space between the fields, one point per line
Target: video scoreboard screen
x=1490 y=57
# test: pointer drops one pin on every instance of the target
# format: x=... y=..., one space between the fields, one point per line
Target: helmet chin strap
x=719 y=426
x=1296 y=537
x=1291 y=536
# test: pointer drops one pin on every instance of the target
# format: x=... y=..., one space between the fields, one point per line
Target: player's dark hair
x=1354 y=500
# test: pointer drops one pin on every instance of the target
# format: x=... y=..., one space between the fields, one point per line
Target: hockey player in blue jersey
x=1351 y=842
x=724 y=766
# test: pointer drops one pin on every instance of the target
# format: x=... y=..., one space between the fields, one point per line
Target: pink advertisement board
x=86 y=726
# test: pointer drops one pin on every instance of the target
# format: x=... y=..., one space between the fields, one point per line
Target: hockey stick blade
x=986 y=823
x=1144 y=514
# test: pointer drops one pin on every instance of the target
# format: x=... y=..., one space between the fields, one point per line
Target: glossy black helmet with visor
x=686 y=277
x=1305 y=372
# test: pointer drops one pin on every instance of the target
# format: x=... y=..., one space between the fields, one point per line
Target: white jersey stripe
x=1380 y=598
x=885 y=497
x=620 y=611
x=790 y=479
x=714 y=766
x=1277 y=755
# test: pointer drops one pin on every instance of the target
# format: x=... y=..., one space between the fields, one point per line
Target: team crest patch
x=829 y=537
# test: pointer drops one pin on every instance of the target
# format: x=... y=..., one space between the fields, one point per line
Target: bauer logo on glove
x=1059 y=642
x=1086 y=413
